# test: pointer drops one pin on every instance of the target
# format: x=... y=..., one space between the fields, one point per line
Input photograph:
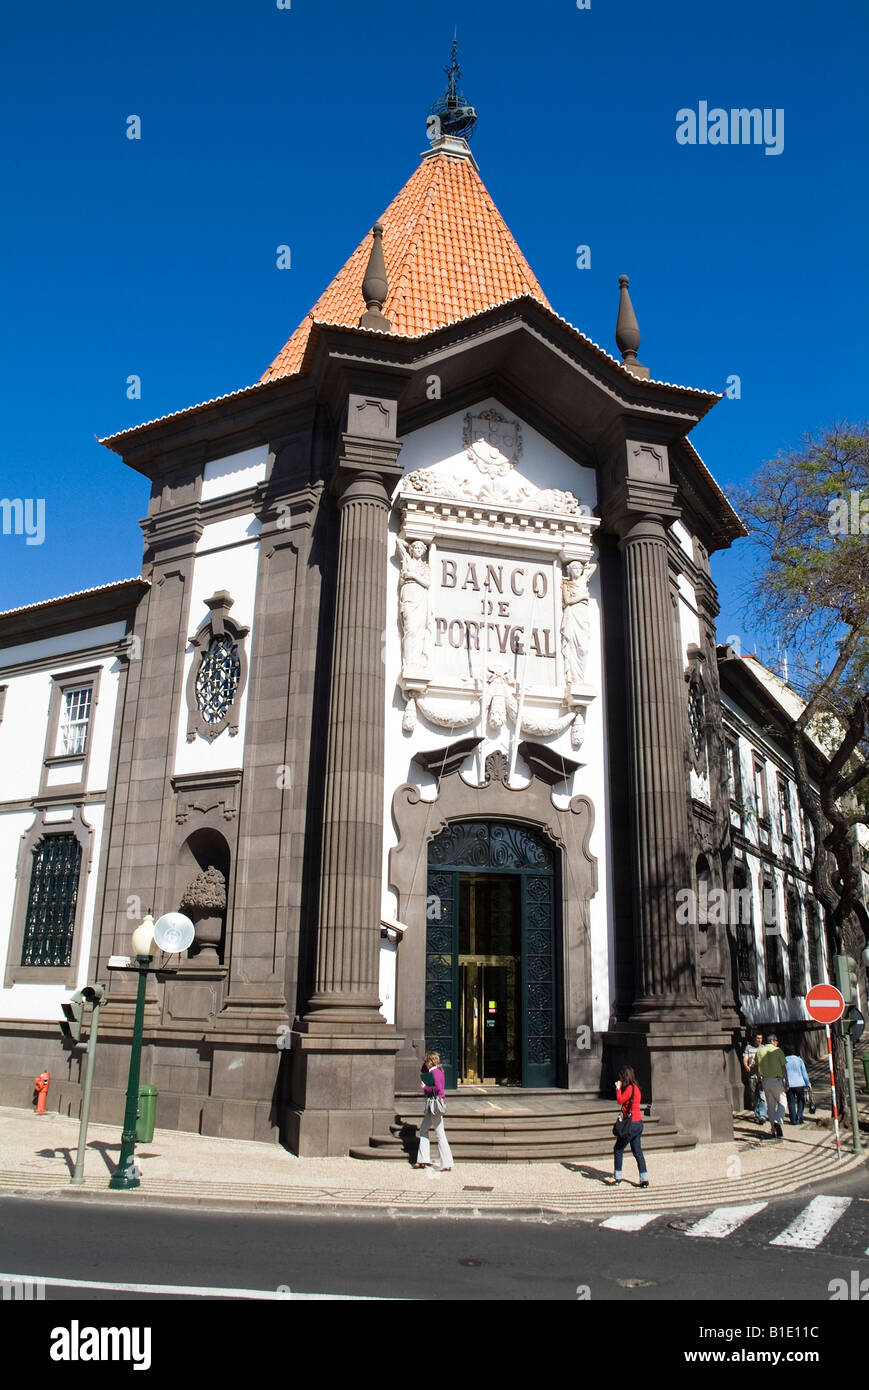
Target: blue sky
x=263 y=127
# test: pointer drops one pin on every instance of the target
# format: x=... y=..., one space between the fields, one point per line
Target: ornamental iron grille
x=471 y=848
x=218 y=673
x=50 y=922
x=217 y=680
x=697 y=721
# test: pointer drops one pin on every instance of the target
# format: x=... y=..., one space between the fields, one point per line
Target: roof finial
x=375 y=285
x=628 y=332
x=451 y=115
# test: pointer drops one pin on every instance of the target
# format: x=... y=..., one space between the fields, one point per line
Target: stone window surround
x=47 y=974
x=214 y=626
x=68 y=680
x=568 y=830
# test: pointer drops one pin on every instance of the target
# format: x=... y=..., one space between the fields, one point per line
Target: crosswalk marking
x=630 y=1221
x=806 y=1231
x=813 y=1223
x=723 y=1221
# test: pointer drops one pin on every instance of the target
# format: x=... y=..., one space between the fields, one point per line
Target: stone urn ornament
x=204 y=900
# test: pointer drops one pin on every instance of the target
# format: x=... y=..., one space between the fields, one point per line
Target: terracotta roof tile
x=449 y=254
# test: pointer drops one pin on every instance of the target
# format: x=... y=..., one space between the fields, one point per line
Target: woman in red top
x=628 y=1097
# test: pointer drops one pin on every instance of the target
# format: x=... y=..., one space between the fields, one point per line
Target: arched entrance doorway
x=492 y=967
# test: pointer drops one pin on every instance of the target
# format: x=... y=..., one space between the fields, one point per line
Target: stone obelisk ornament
x=628 y=332
x=375 y=286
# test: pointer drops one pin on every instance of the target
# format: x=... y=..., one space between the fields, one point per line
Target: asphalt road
x=192 y=1254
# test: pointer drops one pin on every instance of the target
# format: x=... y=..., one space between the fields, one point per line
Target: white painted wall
x=24 y=725
x=234 y=473
x=439 y=445
x=388 y=972
x=227 y=557
x=61 y=646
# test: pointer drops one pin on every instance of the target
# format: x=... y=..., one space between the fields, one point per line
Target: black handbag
x=622 y=1129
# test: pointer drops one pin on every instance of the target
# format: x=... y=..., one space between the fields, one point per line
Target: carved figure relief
x=575 y=620
x=414 y=605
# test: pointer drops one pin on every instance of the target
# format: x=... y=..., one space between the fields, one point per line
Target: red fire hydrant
x=41 y=1088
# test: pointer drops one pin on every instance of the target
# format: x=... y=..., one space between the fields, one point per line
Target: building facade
x=415 y=710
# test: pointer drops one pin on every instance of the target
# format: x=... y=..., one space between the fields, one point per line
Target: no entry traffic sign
x=824 y=1003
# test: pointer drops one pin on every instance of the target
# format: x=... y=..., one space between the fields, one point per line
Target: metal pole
x=852 y=1093
x=78 y=1175
x=124 y=1176
x=833 y=1092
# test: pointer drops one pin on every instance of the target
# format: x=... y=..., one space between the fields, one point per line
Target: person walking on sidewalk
x=432 y=1082
x=758 y=1100
x=629 y=1097
x=798 y=1083
x=770 y=1063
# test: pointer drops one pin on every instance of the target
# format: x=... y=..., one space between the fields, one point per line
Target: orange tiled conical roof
x=449 y=254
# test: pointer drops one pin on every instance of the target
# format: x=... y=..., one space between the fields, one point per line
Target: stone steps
x=520 y=1129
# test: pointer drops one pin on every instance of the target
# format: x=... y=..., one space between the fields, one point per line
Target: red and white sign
x=824 y=1003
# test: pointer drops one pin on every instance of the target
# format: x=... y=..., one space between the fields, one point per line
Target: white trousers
x=774 y=1089
x=444 y=1153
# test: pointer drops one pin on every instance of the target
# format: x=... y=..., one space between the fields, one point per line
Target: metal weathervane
x=451 y=114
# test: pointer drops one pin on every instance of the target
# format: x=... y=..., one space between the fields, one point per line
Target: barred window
x=746 y=955
x=795 y=948
x=784 y=803
x=734 y=778
x=50 y=921
x=74 y=719
x=772 y=941
x=816 y=947
x=760 y=789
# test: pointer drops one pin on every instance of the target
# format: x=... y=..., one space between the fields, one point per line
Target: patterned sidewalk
x=37 y=1156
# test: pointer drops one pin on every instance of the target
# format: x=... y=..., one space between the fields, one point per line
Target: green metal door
x=464 y=850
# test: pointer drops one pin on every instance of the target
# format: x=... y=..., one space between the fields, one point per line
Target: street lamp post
x=124 y=1177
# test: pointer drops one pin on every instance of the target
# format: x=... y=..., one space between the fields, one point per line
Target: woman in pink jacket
x=432 y=1083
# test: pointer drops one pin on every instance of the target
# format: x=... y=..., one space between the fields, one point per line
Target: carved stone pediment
x=199 y=794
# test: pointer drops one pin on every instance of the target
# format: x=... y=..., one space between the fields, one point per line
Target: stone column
x=343 y=1063
x=666 y=979
x=349 y=942
x=678 y=1053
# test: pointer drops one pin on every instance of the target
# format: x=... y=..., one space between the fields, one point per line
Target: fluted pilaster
x=348 y=958
x=664 y=957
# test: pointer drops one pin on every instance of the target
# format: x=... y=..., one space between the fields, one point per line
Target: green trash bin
x=866 y=1068
x=147 y=1115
